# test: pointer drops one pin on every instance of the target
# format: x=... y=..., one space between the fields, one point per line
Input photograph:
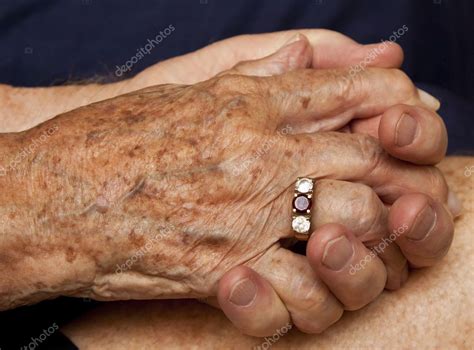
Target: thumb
x=294 y=54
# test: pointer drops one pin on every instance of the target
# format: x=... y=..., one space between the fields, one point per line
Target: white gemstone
x=304 y=185
x=301 y=224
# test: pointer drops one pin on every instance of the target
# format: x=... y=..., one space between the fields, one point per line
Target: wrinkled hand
x=166 y=189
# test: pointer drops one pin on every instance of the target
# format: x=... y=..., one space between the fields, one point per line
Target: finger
x=413 y=134
x=250 y=302
x=358 y=207
x=294 y=54
x=312 y=306
x=350 y=204
x=425 y=228
x=354 y=274
x=369 y=126
x=335 y=50
x=357 y=158
x=395 y=262
x=332 y=49
x=314 y=100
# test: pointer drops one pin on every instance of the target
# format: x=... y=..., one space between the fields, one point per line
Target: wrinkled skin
x=158 y=167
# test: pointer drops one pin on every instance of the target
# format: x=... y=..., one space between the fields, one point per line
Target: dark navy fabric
x=44 y=42
x=49 y=42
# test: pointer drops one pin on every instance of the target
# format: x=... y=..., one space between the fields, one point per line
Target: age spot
x=305 y=102
x=133 y=119
x=101 y=204
x=70 y=255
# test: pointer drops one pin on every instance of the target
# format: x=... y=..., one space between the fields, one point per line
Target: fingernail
x=429 y=100
x=454 y=204
x=293 y=39
x=405 y=130
x=243 y=293
x=337 y=253
x=424 y=223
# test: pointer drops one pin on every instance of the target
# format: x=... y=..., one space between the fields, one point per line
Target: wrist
x=24 y=108
x=39 y=259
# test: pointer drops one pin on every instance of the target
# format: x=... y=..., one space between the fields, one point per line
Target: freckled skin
x=189 y=181
x=118 y=173
x=443 y=322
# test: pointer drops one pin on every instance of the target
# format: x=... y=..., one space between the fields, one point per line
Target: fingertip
x=239 y=286
x=354 y=274
x=429 y=100
x=413 y=134
x=318 y=240
x=385 y=54
x=250 y=302
x=424 y=228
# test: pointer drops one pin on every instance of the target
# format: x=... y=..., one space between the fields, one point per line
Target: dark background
x=50 y=42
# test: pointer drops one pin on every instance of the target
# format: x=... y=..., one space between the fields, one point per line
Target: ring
x=302 y=202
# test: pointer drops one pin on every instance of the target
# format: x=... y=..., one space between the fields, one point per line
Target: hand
x=345 y=203
x=156 y=169
x=24 y=108
x=331 y=50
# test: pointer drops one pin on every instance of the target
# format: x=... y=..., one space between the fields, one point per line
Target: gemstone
x=304 y=185
x=301 y=203
x=301 y=224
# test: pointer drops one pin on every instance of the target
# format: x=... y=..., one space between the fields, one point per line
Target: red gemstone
x=301 y=203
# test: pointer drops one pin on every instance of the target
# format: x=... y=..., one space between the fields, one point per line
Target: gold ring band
x=302 y=202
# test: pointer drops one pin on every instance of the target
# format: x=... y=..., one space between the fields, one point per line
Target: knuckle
x=347 y=86
x=235 y=83
x=316 y=310
x=401 y=84
x=351 y=84
x=374 y=283
x=365 y=208
x=315 y=323
x=371 y=151
x=352 y=204
x=312 y=296
x=437 y=183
